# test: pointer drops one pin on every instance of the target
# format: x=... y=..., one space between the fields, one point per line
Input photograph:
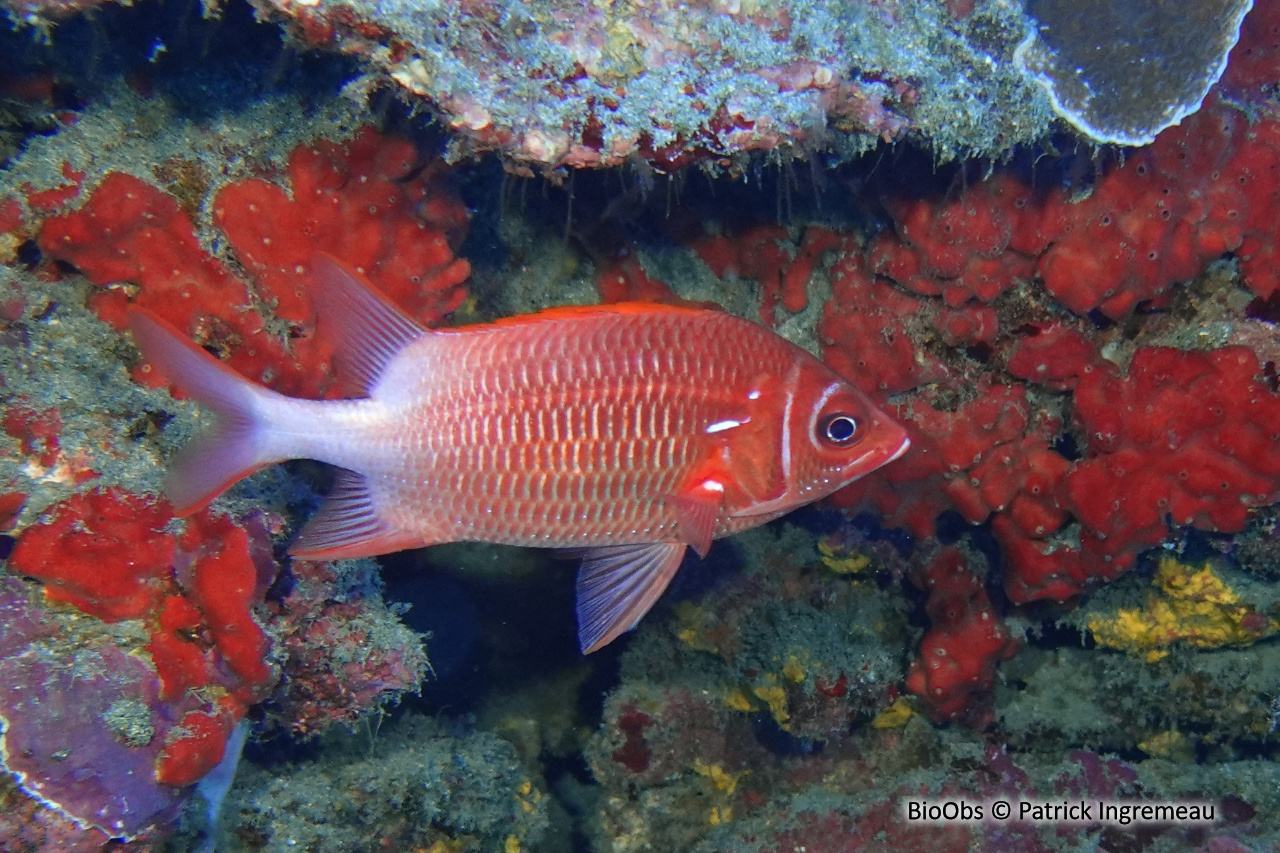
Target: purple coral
x=80 y=733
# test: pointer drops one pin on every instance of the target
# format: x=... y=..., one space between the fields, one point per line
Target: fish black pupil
x=840 y=428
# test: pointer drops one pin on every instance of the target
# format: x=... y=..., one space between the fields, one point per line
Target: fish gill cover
x=1067 y=589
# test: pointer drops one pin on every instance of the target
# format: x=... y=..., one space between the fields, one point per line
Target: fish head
x=836 y=434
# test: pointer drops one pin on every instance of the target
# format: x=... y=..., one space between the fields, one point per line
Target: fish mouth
x=874 y=459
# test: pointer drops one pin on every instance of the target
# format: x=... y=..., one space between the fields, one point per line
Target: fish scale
x=628 y=433
x=542 y=423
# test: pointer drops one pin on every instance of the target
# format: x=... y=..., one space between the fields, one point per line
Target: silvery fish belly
x=626 y=433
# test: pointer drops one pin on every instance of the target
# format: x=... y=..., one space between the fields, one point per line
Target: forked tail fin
x=235 y=445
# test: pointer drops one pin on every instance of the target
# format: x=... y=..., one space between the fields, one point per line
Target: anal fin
x=617 y=585
x=347 y=525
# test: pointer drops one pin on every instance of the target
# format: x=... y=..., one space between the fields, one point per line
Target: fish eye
x=839 y=428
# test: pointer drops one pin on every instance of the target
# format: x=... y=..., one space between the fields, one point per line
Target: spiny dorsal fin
x=577 y=312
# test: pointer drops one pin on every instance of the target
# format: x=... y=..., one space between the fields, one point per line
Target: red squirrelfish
x=624 y=433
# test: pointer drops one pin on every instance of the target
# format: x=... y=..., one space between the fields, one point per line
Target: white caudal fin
x=233 y=447
x=366 y=328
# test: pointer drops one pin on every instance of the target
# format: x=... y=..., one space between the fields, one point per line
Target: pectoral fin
x=618 y=584
x=699 y=506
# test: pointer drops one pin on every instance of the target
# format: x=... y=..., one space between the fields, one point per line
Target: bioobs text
x=951 y=810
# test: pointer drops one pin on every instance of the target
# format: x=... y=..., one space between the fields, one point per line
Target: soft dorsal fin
x=367 y=329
